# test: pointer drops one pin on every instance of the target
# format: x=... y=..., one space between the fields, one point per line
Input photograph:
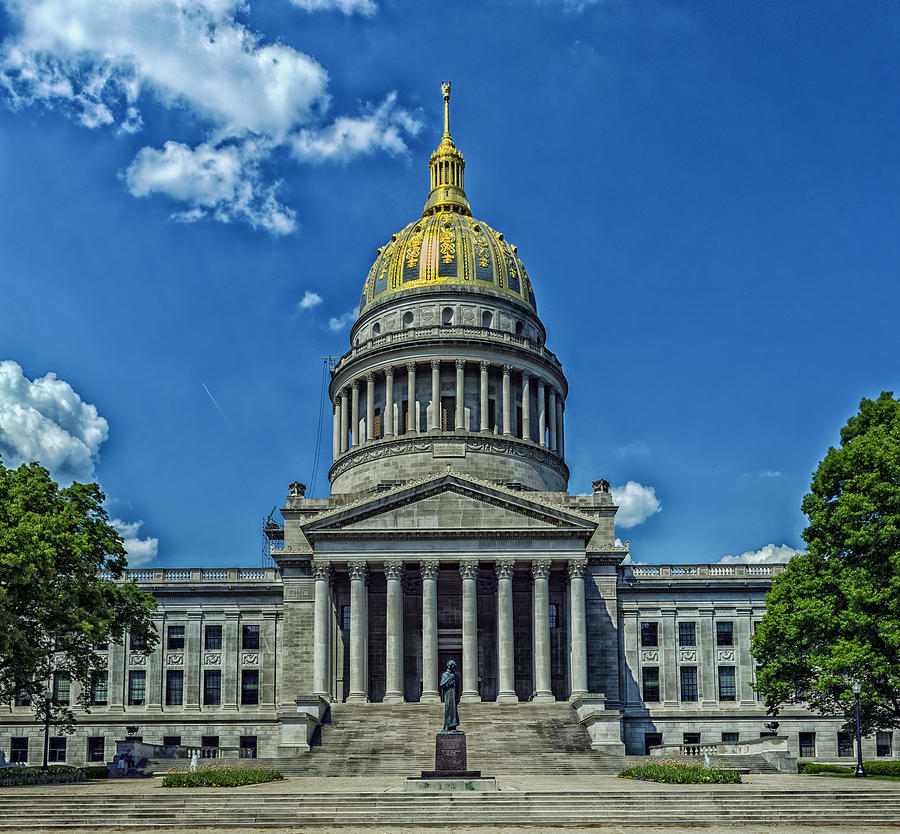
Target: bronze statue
x=449 y=687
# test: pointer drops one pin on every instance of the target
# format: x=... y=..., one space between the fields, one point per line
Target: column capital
x=370 y=378
x=504 y=568
x=484 y=364
x=355 y=385
x=334 y=406
x=435 y=364
x=468 y=569
x=460 y=364
x=525 y=377
x=540 y=568
x=394 y=570
x=410 y=367
x=320 y=569
x=429 y=569
x=389 y=371
x=344 y=392
x=541 y=383
x=357 y=570
x=507 y=369
x=576 y=568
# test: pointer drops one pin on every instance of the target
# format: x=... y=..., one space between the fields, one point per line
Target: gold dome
x=447 y=246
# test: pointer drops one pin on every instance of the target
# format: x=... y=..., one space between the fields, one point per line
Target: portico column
x=542 y=414
x=394 y=640
x=370 y=406
x=430 y=694
x=345 y=417
x=388 y=419
x=506 y=400
x=411 y=408
x=506 y=674
x=336 y=428
x=469 y=573
x=321 y=630
x=578 y=641
x=359 y=603
x=526 y=407
x=484 y=396
x=354 y=414
x=435 y=395
x=540 y=570
x=460 y=393
x=553 y=447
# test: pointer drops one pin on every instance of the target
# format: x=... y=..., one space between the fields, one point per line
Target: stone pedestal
x=450 y=769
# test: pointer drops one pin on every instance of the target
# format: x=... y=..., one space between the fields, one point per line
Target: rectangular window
x=448 y=413
x=100 y=688
x=212 y=687
x=807 y=745
x=57 y=752
x=171 y=741
x=345 y=617
x=137 y=685
x=687 y=634
x=726 y=683
x=249 y=687
x=136 y=643
x=376 y=424
x=724 y=634
x=174 y=687
x=23 y=701
x=250 y=637
x=649 y=636
x=248 y=747
x=175 y=638
x=212 y=638
x=18 y=749
x=404 y=417
x=96 y=749
x=688 y=683
x=690 y=738
x=845 y=745
x=209 y=742
x=651 y=740
x=492 y=415
x=730 y=738
x=61 y=687
x=650 y=683
x=884 y=742
x=554 y=615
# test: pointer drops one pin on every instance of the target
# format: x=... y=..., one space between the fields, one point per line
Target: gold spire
x=447 y=166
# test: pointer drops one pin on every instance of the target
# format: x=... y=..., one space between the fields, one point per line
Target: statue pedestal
x=450 y=769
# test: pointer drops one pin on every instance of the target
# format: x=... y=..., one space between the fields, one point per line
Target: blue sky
x=706 y=196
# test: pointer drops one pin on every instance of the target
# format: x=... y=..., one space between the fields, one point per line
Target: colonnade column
x=506 y=673
x=542 y=414
x=411 y=408
x=469 y=572
x=460 y=393
x=435 y=395
x=359 y=604
x=321 y=629
x=354 y=414
x=336 y=428
x=526 y=407
x=345 y=418
x=560 y=433
x=393 y=571
x=540 y=570
x=388 y=418
x=484 y=397
x=507 y=423
x=553 y=446
x=578 y=636
x=430 y=694
x=370 y=406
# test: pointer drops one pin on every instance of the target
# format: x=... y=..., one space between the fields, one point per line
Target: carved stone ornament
x=600 y=486
x=357 y=570
x=726 y=655
x=540 y=568
x=212 y=659
x=410 y=367
x=460 y=364
x=429 y=570
x=174 y=659
x=137 y=660
x=650 y=656
x=394 y=570
x=687 y=655
x=484 y=365
x=505 y=569
x=250 y=659
x=297 y=490
x=389 y=372
x=468 y=569
x=576 y=568
x=435 y=364
x=320 y=570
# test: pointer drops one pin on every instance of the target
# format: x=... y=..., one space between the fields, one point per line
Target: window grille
x=688 y=683
x=650 y=682
x=687 y=634
x=726 y=683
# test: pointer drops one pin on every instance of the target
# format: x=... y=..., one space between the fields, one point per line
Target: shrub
x=882 y=768
x=812 y=768
x=56 y=774
x=679 y=772
x=96 y=772
x=215 y=776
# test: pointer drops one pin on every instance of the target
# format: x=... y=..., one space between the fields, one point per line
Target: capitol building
x=449 y=533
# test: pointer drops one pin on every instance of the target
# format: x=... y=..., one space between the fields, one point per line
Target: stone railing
x=164 y=575
x=692 y=572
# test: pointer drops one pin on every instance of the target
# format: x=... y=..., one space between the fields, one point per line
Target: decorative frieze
x=725 y=656
x=137 y=659
x=250 y=659
x=212 y=659
x=687 y=655
x=174 y=659
x=650 y=656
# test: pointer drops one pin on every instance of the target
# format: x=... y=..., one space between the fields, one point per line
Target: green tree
x=56 y=604
x=833 y=616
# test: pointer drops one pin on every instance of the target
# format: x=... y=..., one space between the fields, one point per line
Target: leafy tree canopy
x=833 y=616
x=54 y=606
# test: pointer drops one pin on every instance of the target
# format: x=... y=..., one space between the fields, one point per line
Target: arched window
x=487 y=318
x=519 y=329
x=376 y=329
x=407 y=319
x=447 y=315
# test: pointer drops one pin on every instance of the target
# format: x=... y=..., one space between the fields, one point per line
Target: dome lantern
x=447 y=166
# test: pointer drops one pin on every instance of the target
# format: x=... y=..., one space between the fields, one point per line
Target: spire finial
x=445 y=86
x=447 y=165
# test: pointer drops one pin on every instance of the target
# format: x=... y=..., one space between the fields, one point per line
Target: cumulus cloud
x=338 y=323
x=348 y=7
x=309 y=300
x=45 y=420
x=767 y=554
x=636 y=503
x=140 y=551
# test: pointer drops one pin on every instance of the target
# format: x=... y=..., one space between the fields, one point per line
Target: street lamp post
x=47 y=696
x=860 y=771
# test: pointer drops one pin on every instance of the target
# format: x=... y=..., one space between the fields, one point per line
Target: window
x=404 y=417
x=492 y=415
x=651 y=740
x=175 y=638
x=209 y=741
x=448 y=413
x=137 y=643
x=212 y=687
x=345 y=617
x=248 y=747
x=18 y=749
x=845 y=745
x=171 y=741
x=376 y=424
x=649 y=635
x=688 y=683
x=554 y=615
x=726 y=683
x=250 y=687
x=487 y=319
x=807 y=745
x=212 y=638
x=96 y=749
x=250 y=637
x=407 y=319
x=884 y=743
x=690 y=738
x=61 y=687
x=137 y=684
x=650 y=680
x=100 y=688
x=23 y=701
x=174 y=687
x=730 y=738
x=447 y=315
x=687 y=634
x=724 y=634
x=57 y=752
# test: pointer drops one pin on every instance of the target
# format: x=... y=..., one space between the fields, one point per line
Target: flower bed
x=679 y=772
x=56 y=774
x=213 y=776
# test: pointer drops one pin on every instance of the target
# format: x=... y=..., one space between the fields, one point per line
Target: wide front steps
x=63 y=809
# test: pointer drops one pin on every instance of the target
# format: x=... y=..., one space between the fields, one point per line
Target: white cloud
x=140 y=551
x=338 y=323
x=768 y=553
x=45 y=420
x=348 y=7
x=634 y=449
x=636 y=503
x=309 y=300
